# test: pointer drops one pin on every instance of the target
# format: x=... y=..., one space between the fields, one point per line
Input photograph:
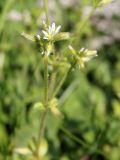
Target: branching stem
x=44 y=114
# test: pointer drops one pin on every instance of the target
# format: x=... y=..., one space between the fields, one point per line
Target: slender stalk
x=81 y=142
x=43 y=118
x=68 y=92
x=60 y=84
x=82 y=26
x=44 y=115
x=62 y=81
x=41 y=131
x=87 y=19
x=72 y=136
x=46 y=79
x=52 y=84
x=46 y=11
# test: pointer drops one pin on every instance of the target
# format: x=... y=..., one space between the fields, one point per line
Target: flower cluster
x=82 y=56
x=45 y=40
x=52 y=33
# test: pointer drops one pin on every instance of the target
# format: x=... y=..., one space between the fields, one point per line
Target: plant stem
x=81 y=142
x=52 y=83
x=60 y=84
x=72 y=136
x=82 y=26
x=71 y=88
x=43 y=118
x=62 y=81
x=41 y=130
x=46 y=11
x=44 y=114
x=46 y=79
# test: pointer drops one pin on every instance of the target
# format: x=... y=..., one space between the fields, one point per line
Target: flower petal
x=53 y=27
x=57 y=29
x=45 y=37
x=81 y=50
x=38 y=36
x=45 y=33
x=86 y=59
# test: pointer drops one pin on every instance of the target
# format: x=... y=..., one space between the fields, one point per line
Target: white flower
x=51 y=32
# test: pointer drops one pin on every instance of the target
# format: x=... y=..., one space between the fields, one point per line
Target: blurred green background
x=89 y=100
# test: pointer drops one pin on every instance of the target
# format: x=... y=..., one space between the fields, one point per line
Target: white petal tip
x=38 y=36
x=70 y=47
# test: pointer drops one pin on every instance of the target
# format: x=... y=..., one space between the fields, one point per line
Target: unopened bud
x=62 y=36
x=27 y=36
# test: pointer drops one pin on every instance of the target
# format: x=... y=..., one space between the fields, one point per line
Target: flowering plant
x=52 y=60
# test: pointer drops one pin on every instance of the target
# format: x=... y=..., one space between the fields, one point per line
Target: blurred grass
x=91 y=105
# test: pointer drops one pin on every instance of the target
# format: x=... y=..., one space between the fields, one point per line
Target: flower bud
x=38 y=105
x=62 y=36
x=27 y=36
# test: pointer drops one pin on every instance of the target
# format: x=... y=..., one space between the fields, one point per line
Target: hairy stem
x=44 y=114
